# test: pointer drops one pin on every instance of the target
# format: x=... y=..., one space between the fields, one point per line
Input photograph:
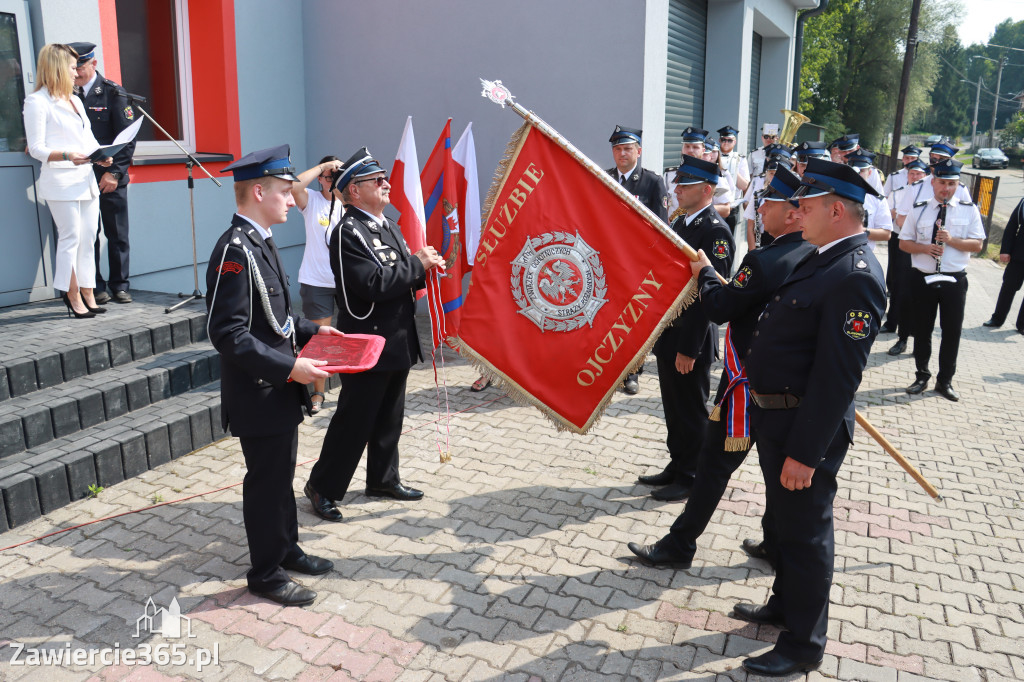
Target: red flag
x=571 y=283
x=441 y=208
x=407 y=195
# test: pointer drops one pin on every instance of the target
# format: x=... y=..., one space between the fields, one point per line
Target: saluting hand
x=429 y=257
x=305 y=371
x=795 y=475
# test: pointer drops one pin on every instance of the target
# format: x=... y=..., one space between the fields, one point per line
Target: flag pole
x=499 y=94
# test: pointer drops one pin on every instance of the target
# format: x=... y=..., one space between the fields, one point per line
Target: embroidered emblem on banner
x=742 y=277
x=858 y=323
x=558 y=281
x=720 y=248
x=450 y=243
x=229 y=267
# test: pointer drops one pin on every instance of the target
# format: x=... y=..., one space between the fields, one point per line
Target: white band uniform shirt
x=879 y=217
x=893 y=184
x=315 y=269
x=736 y=165
x=922 y=190
x=963 y=221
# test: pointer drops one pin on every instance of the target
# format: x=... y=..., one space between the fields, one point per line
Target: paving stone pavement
x=514 y=566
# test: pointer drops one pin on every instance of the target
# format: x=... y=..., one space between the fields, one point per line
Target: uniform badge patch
x=128 y=113
x=857 y=324
x=229 y=267
x=720 y=249
x=664 y=202
x=742 y=277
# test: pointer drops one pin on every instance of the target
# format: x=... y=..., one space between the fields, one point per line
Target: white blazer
x=50 y=127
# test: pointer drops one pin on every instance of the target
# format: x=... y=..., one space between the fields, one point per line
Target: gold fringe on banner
x=736 y=444
x=507 y=159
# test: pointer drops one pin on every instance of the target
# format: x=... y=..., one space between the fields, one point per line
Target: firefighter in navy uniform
x=739 y=303
x=109 y=113
x=645 y=185
x=804 y=365
x=251 y=325
x=687 y=348
x=376 y=279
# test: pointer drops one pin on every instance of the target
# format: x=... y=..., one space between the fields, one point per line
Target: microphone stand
x=192 y=161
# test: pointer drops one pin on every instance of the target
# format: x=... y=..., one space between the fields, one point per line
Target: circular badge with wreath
x=558 y=281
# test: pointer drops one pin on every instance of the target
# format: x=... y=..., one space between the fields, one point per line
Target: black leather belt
x=775 y=401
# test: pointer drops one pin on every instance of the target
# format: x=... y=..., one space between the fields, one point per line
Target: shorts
x=317 y=302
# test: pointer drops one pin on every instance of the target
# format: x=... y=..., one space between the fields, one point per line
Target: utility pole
x=974 y=121
x=995 y=105
x=901 y=102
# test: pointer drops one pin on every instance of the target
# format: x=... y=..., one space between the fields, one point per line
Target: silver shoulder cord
x=341 y=272
x=287 y=330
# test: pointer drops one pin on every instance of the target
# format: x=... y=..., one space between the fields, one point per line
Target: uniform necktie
x=939 y=221
x=622 y=179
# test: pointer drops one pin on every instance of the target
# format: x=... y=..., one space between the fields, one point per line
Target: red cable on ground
x=208 y=492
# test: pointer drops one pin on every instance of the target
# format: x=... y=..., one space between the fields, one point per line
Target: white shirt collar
x=691 y=217
x=88 y=86
x=264 y=232
x=620 y=175
x=823 y=249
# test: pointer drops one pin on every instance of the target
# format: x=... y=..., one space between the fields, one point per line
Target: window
x=154 y=55
x=12 y=86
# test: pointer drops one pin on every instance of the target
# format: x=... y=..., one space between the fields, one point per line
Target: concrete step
x=42 y=479
x=31 y=420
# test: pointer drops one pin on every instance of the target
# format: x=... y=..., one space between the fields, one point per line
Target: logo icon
x=742 y=277
x=720 y=248
x=160 y=621
x=857 y=325
x=451 y=246
x=558 y=281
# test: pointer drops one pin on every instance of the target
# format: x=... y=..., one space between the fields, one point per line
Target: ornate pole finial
x=496 y=92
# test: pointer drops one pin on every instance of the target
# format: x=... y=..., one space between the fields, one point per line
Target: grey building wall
x=369 y=65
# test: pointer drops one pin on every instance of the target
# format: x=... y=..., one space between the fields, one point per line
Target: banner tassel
x=438 y=332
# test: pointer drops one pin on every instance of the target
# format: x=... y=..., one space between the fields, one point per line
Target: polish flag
x=407 y=194
x=468 y=188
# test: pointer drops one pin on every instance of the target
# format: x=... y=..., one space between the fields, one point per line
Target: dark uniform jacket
x=256 y=398
x=741 y=301
x=646 y=186
x=813 y=340
x=692 y=333
x=376 y=278
x=109 y=113
x=1013 y=237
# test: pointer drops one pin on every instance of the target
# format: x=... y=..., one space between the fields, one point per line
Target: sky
x=982 y=17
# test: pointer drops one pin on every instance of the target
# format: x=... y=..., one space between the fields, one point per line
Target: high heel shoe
x=71 y=309
x=98 y=310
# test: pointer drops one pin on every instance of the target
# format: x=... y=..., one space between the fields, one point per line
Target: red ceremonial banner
x=571 y=283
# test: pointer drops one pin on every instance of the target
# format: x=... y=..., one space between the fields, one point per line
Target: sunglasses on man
x=380 y=180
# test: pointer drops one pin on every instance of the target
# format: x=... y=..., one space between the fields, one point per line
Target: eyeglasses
x=727 y=139
x=380 y=180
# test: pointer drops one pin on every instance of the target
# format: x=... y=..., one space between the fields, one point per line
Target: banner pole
x=499 y=94
x=888 y=447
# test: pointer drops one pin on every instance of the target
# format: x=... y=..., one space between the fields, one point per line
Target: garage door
x=684 y=89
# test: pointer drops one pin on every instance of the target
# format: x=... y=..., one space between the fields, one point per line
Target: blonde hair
x=52 y=69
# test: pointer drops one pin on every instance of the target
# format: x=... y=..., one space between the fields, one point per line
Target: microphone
x=133 y=98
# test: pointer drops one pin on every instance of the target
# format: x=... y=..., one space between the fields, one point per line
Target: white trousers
x=77 y=223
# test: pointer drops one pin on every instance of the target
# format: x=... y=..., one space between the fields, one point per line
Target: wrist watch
x=117 y=175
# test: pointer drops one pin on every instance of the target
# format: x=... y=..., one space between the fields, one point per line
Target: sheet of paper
x=129 y=133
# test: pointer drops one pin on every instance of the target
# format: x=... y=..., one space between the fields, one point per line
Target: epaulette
x=917 y=182
x=111 y=83
x=966 y=203
x=672 y=169
x=918 y=204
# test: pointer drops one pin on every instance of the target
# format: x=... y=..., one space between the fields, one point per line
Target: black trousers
x=114 y=223
x=684 y=399
x=803 y=533
x=715 y=466
x=897 y=280
x=369 y=417
x=1013 y=278
x=268 y=507
x=948 y=299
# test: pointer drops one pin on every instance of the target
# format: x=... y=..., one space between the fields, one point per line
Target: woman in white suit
x=60 y=137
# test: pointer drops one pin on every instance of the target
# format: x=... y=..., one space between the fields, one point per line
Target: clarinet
x=939 y=224
x=758 y=227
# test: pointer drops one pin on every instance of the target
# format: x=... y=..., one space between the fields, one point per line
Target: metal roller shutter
x=684 y=83
x=753 y=133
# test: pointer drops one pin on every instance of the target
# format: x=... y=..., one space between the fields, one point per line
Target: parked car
x=990 y=157
x=933 y=140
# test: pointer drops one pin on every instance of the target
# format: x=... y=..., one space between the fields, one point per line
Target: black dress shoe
x=660 y=479
x=947 y=392
x=121 y=297
x=310 y=565
x=755 y=548
x=991 y=322
x=397 y=491
x=672 y=493
x=289 y=594
x=322 y=507
x=632 y=385
x=659 y=555
x=773 y=664
x=1020 y=331
x=917 y=387
x=899 y=347
x=761 y=615
x=102 y=297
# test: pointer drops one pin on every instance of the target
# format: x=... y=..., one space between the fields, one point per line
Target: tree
x=952 y=100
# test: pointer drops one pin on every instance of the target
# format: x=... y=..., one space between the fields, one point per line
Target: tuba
x=791 y=122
